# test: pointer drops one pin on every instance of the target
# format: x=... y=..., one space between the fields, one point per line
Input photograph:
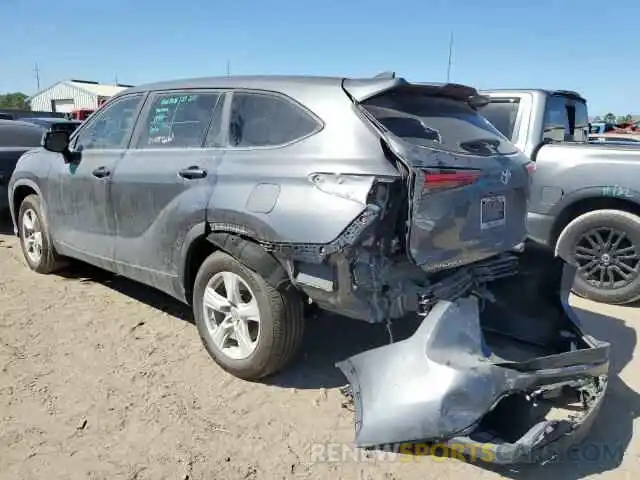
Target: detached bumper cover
x=437 y=386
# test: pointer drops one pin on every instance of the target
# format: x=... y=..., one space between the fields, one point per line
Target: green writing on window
x=162 y=117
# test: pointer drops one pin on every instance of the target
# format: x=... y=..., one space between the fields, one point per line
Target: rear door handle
x=192 y=173
x=101 y=172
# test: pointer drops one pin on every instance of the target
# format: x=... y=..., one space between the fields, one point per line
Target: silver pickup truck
x=585 y=198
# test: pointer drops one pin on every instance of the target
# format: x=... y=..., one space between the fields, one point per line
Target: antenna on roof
x=450 y=55
x=387 y=74
x=37 y=72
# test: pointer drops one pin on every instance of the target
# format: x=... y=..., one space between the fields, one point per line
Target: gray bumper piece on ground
x=440 y=384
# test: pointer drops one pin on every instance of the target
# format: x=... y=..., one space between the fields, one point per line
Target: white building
x=70 y=95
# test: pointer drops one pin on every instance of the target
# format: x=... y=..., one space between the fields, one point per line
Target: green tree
x=610 y=118
x=597 y=119
x=628 y=118
x=17 y=100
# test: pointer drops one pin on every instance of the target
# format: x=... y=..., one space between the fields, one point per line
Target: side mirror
x=56 y=141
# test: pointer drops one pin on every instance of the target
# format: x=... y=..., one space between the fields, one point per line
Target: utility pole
x=228 y=68
x=450 y=56
x=37 y=71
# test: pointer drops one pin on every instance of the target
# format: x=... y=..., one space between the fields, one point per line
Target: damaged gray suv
x=249 y=197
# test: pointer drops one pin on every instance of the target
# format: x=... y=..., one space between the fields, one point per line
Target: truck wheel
x=605 y=245
x=34 y=237
x=249 y=328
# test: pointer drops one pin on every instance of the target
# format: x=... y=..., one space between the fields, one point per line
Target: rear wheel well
x=198 y=251
x=587 y=205
x=243 y=249
x=19 y=194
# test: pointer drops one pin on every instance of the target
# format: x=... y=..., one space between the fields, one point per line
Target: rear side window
x=179 y=120
x=502 y=113
x=265 y=120
x=437 y=122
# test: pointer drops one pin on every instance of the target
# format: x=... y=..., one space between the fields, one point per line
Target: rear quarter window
x=502 y=113
x=267 y=120
x=435 y=122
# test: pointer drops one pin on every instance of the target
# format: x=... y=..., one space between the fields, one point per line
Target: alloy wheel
x=607 y=258
x=32 y=235
x=232 y=315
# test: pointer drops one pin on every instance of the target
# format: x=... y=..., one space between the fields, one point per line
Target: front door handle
x=192 y=172
x=101 y=172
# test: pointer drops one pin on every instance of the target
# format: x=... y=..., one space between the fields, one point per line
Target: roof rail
x=387 y=74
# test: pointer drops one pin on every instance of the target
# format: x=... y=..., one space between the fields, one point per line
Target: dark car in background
x=53 y=123
x=16 y=138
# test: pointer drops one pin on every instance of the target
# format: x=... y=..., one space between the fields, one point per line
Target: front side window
x=437 y=122
x=110 y=128
x=179 y=120
x=264 y=120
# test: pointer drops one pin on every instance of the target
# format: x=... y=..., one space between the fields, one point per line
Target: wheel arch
x=21 y=190
x=588 y=204
x=252 y=254
x=200 y=244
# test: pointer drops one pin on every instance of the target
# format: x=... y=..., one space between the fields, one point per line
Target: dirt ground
x=102 y=378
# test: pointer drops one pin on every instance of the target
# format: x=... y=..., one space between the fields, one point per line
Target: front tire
x=248 y=327
x=34 y=237
x=605 y=245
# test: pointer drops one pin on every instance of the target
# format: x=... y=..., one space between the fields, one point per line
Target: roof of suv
x=305 y=86
x=275 y=82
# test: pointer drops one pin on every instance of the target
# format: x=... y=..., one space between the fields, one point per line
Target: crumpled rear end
x=513 y=376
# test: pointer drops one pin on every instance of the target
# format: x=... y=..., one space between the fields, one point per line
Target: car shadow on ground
x=331 y=338
x=328 y=338
x=149 y=296
x=6 y=227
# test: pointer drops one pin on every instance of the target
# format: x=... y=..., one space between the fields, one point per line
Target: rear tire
x=268 y=346
x=605 y=244
x=34 y=237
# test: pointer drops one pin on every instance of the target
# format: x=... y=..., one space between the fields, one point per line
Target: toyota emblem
x=505 y=176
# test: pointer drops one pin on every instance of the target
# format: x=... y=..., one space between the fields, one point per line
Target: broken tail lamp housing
x=530 y=167
x=438 y=180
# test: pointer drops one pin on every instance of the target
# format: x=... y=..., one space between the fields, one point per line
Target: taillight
x=531 y=168
x=446 y=179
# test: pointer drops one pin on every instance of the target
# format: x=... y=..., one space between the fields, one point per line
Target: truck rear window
x=502 y=113
x=435 y=122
